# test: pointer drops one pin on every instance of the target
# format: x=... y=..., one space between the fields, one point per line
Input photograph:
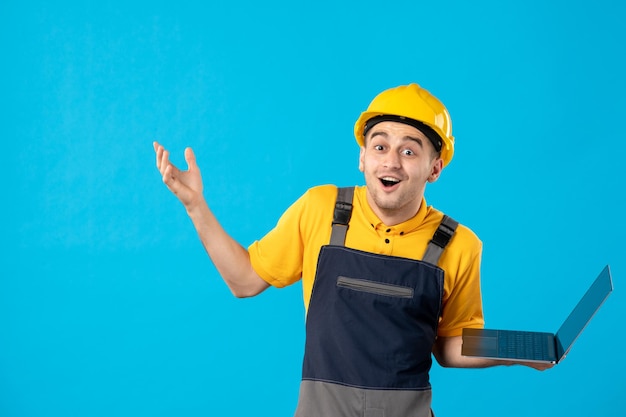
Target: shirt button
x=386 y=240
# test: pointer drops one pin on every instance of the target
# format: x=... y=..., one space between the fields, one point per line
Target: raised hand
x=230 y=258
x=186 y=185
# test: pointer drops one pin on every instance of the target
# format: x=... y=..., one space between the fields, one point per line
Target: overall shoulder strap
x=341 y=218
x=440 y=240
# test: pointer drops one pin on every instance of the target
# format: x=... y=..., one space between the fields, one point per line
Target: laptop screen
x=584 y=311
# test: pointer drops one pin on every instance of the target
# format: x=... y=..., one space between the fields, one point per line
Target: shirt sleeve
x=462 y=306
x=278 y=256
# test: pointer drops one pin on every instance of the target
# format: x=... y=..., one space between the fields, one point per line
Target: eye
x=408 y=152
x=378 y=147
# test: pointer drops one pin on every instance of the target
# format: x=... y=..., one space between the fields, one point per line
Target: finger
x=171 y=181
x=190 y=157
x=168 y=175
x=168 y=170
x=165 y=161
x=158 y=149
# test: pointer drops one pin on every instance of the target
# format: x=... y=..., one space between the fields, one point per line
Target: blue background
x=108 y=303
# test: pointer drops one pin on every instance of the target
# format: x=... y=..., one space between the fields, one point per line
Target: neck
x=394 y=216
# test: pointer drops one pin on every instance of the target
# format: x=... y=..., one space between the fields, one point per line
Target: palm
x=186 y=185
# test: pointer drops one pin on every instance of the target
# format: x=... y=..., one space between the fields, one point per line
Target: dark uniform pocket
x=374 y=287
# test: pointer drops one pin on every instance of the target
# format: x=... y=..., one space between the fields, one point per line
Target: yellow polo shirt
x=289 y=252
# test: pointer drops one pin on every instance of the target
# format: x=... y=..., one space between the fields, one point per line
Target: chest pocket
x=377 y=288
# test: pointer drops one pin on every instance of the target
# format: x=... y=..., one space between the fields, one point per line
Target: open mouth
x=389 y=182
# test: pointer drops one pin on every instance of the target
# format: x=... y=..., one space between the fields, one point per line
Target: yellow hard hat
x=409 y=104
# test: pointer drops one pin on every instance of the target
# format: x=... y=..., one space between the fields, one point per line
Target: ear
x=435 y=172
x=361 y=157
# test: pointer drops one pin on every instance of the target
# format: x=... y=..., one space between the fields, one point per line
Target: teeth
x=390 y=179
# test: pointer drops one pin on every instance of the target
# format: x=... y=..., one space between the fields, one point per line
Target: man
x=387 y=280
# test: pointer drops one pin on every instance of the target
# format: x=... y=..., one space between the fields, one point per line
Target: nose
x=392 y=160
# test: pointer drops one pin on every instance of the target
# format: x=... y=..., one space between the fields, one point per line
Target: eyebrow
x=415 y=139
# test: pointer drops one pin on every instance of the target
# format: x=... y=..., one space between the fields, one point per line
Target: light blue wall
x=108 y=304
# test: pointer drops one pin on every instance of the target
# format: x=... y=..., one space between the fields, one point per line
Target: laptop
x=540 y=346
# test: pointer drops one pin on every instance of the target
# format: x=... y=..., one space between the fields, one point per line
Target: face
x=397 y=162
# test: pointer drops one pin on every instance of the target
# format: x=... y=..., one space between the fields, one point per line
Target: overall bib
x=370 y=328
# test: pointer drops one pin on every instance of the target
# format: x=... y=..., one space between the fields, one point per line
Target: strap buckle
x=342 y=214
x=442 y=235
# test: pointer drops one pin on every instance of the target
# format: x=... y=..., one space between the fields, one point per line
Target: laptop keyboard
x=525 y=345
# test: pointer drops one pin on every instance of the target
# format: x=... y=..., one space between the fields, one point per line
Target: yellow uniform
x=290 y=251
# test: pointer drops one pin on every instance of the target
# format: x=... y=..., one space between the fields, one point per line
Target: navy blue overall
x=371 y=325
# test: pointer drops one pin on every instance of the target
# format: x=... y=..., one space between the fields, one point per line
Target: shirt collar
x=402 y=228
